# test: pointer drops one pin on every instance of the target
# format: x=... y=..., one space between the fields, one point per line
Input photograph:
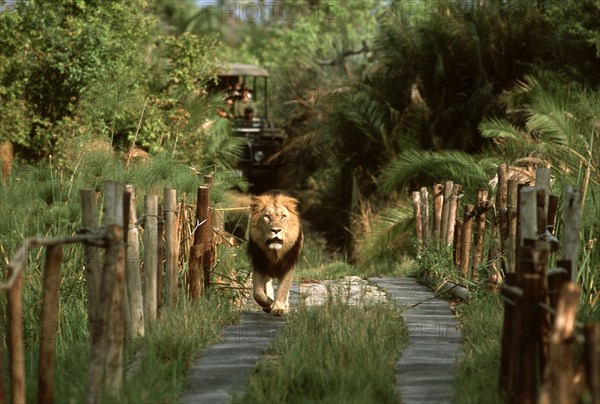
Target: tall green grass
x=478 y=373
x=156 y=365
x=331 y=354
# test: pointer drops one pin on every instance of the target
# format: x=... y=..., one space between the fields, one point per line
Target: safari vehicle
x=245 y=89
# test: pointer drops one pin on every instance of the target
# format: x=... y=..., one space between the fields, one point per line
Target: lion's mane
x=274 y=209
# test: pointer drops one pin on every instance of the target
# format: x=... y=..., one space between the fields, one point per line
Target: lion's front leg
x=260 y=286
x=281 y=303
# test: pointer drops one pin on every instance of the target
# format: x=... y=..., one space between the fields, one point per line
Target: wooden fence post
x=91 y=259
x=207 y=260
x=452 y=212
x=196 y=264
x=457 y=243
x=447 y=196
x=172 y=243
x=532 y=284
x=552 y=210
x=479 y=233
x=507 y=355
x=106 y=358
x=528 y=214
x=466 y=242
x=513 y=221
x=49 y=324
x=15 y=341
x=133 y=279
x=572 y=220
x=425 y=214
x=160 y=257
x=558 y=375
x=502 y=210
x=114 y=262
x=542 y=181
x=416 y=198
x=438 y=203
x=150 y=258
x=592 y=360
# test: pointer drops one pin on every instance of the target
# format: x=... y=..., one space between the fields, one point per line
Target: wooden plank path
x=226 y=366
x=424 y=371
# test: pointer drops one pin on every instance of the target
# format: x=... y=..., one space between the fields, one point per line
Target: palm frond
x=452 y=165
x=549 y=118
x=499 y=128
x=389 y=229
x=369 y=116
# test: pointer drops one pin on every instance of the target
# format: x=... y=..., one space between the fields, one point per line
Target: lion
x=274 y=245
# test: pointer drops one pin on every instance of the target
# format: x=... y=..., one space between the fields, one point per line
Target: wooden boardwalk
x=424 y=371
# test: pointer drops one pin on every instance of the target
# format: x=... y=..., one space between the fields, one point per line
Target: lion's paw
x=279 y=310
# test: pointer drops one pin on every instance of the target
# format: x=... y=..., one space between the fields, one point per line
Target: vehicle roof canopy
x=241 y=69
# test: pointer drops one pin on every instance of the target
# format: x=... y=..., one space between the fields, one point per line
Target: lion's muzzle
x=276 y=240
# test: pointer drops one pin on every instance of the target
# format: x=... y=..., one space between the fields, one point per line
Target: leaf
x=499 y=128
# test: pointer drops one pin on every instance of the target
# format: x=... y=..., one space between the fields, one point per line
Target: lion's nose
x=275 y=231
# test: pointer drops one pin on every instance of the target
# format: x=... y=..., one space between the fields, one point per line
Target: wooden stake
x=416 y=198
x=502 y=210
x=512 y=205
x=14 y=341
x=150 y=258
x=133 y=279
x=457 y=244
x=160 y=258
x=592 y=360
x=452 y=212
x=195 y=273
x=572 y=223
x=558 y=375
x=49 y=324
x=528 y=214
x=425 y=214
x=552 y=210
x=172 y=244
x=196 y=264
x=466 y=242
x=91 y=259
x=508 y=336
x=106 y=357
x=479 y=233
x=114 y=263
x=447 y=196
x=527 y=387
x=542 y=181
x=438 y=203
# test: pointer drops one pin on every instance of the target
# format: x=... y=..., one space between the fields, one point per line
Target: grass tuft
x=332 y=353
x=478 y=373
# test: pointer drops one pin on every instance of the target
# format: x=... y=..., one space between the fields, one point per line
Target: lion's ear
x=292 y=202
x=254 y=202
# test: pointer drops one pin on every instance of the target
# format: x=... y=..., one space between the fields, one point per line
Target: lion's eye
x=267 y=217
x=283 y=218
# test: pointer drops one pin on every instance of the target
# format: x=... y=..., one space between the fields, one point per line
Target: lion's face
x=274 y=222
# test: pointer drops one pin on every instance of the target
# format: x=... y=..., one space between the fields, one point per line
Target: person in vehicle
x=244 y=101
x=249 y=119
